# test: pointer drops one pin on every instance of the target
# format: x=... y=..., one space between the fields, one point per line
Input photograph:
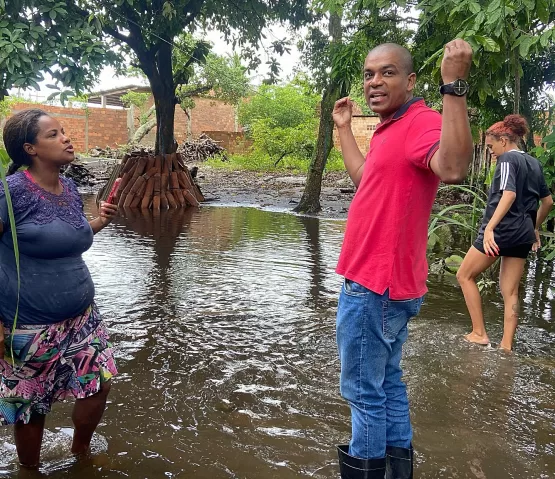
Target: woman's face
x=51 y=146
x=496 y=146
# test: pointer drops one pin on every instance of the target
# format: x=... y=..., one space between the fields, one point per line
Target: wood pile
x=79 y=174
x=153 y=182
x=201 y=149
x=197 y=150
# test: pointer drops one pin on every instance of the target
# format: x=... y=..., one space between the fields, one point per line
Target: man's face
x=387 y=86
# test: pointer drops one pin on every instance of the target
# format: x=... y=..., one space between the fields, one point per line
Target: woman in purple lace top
x=60 y=345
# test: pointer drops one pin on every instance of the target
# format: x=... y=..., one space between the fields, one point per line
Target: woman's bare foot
x=477 y=339
x=506 y=348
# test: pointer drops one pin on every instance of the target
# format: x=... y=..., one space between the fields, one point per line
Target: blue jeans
x=371 y=331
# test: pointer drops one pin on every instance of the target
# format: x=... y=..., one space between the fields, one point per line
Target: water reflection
x=224 y=321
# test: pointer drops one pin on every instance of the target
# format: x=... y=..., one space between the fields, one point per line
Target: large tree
x=147 y=29
x=216 y=76
x=38 y=37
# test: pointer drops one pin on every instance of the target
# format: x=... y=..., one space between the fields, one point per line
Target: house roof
x=113 y=95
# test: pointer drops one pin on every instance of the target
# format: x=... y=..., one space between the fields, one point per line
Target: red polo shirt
x=387 y=226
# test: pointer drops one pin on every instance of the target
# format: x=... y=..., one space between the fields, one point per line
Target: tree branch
x=194 y=10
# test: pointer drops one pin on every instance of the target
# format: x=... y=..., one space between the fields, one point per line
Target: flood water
x=223 y=320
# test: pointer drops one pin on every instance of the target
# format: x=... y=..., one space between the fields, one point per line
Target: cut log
x=153 y=182
x=147 y=198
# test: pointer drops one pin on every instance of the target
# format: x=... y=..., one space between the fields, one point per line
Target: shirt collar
x=401 y=111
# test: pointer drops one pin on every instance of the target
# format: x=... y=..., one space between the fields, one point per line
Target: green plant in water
x=485 y=284
x=464 y=216
x=4 y=161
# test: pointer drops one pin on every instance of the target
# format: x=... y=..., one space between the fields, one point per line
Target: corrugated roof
x=113 y=95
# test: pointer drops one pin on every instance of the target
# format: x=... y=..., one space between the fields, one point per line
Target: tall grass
x=464 y=216
x=4 y=161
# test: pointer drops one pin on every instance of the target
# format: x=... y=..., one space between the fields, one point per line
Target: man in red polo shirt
x=383 y=258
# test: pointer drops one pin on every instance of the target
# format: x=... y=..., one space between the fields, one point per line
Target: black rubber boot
x=355 y=468
x=398 y=462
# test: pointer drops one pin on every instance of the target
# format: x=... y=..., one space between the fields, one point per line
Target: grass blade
x=4 y=160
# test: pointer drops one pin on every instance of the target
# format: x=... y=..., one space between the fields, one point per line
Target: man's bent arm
x=450 y=162
x=352 y=157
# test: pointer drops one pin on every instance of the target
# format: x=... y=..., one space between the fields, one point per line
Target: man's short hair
x=407 y=62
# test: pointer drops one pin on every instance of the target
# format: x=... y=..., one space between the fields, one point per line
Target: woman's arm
x=505 y=203
x=543 y=211
x=108 y=212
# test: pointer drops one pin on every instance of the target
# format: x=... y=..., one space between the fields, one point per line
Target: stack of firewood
x=201 y=149
x=153 y=182
x=79 y=174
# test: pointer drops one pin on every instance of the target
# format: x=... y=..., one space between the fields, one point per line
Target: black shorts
x=520 y=251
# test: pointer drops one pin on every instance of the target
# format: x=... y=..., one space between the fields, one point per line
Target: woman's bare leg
x=86 y=416
x=473 y=264
x=509 y=280
x=28 y=440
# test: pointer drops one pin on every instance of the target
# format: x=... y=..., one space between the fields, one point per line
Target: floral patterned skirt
x=69 y=359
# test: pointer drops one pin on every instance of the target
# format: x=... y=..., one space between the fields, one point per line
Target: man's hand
x=343 y=112
x=457 y=60
x=108 y=212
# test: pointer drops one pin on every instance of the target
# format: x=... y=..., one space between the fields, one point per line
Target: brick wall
x=363 y=129
x=231 y=141
x=107 y=127
x=208 y=115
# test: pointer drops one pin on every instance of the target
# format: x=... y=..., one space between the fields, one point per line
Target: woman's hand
x=490 y=246
x=108 y=212
x=538 y=244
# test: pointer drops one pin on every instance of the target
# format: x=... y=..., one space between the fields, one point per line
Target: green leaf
x=525 y=44
x=543 y=10
x=474 y=7
x=52 y=96
x=479 y=20
x=489 y=44
x=4 y=160
x=482 y=95
x=549 y=139
x=545 y=38
x=53 y=14
x=493 y=6
x=34 y=84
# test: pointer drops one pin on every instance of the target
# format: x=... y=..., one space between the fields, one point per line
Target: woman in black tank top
x=510 y=227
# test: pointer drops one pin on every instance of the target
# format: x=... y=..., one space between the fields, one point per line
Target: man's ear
x=412 y=82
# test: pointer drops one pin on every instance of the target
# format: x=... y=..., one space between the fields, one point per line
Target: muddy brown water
x=223 y=320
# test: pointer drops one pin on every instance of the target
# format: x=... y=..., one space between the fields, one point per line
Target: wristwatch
x=457 y=88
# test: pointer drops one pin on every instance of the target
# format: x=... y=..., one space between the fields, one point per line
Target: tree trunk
x=158 y=68
x=164 y=101
x=310 y=201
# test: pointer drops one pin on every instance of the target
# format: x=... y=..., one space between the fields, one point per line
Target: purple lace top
x=52 y=234
x=42 y=207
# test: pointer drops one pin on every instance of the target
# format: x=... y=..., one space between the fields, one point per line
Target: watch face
x=460 y=87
